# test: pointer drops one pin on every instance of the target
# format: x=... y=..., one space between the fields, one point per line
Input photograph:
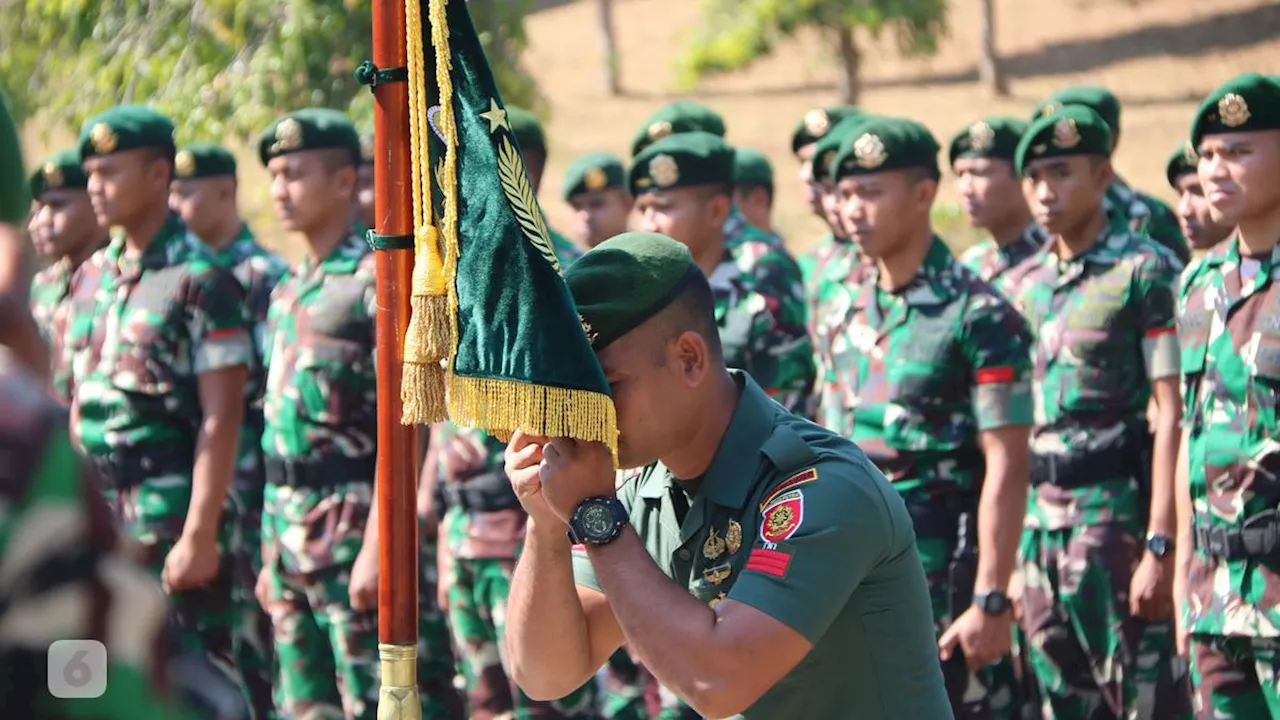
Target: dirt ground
x=1159 y=56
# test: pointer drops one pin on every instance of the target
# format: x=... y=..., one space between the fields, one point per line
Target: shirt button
x=684 y=554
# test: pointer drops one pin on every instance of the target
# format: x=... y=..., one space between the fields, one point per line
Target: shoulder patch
x=801 y=478
x=782 y=518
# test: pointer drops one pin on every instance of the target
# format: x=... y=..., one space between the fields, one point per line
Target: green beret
x=1183 y=161
x=882 y=144
x=626 y=280
x=526 y=128
x=826 y=149
x=203 y=160
x=678 y=117
x=126 y=127
x=1073 y=130
x=14 y=202
x=309 y=129
x=817 y=123
x=61 y=170
x=691 y=158
x=1095 y=97
x=751 y=167
x=592 y=172
x=1243 y=104
x=993 y=137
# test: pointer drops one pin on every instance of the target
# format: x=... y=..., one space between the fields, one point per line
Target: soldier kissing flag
x=495 y=341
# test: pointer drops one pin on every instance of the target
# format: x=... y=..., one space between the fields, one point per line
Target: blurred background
x=594 y=69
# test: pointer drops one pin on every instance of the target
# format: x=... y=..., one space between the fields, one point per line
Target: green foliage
x=733 y=34
x=220 y=68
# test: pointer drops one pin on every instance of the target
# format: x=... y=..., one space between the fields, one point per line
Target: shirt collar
x=343 y=259
x=731 y=475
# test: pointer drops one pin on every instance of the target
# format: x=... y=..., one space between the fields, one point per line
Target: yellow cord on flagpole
x=429 y=337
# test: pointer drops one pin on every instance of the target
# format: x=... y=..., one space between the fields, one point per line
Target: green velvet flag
x=517 y=354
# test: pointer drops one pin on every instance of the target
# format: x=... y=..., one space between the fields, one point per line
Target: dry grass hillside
x=1160 y=56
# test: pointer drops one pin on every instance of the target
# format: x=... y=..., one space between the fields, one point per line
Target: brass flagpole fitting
x=398 y=695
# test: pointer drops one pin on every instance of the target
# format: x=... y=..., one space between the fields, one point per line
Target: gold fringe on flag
x=429 y=338
x=502 y=406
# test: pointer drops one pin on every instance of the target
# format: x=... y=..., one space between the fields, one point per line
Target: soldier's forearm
x=548 y=638
x=211 y=476
x=1164 y=462
x=1001 y=510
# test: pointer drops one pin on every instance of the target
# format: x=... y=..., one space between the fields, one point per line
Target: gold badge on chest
x=714 y=546
x=718 y=574
x=733 y=537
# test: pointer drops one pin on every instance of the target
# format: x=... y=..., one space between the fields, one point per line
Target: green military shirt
x=1229 y=332
x=795 y=522
x=812 y=260
x=759 y=305
x=1132 y=210
x=320 y=403
x=736 y=224
x=161 y=320
x=1104 y=330
x=992 y=262
x=914 y=375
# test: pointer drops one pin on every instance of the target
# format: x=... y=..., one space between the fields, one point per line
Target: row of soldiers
x=1048 y=352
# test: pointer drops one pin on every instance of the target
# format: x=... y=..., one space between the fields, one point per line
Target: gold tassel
x=503 y=406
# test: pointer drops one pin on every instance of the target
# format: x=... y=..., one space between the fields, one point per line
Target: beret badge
x=104 y=139
x=184 y=164
x=664 y=170
x=594 y=179
x=869 y=151
x=981 y=137
x=816 y=123
x=1233 y=110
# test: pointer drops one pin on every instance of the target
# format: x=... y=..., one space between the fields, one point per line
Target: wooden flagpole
x=397 y=486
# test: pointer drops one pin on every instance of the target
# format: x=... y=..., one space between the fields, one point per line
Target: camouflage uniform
x=1134 y=211
x=913 y=377
x=319 y=440
x=483 y=532
x=1229 y=330
x=73 y=553
x=258 y=272
x=814 y=259
x=1104 y=324
x=160 y=321
x=759 y=301
x=61 y=297
x=736 y=224
x=993 y=262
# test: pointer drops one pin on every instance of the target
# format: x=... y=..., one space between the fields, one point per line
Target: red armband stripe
x=769 y=562
x=223 y=332
x=1157 y=332
x=986 y=376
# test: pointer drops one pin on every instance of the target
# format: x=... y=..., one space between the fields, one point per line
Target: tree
x=609 y=44
x=990 y=71
x=732 y=34
x=220 y=68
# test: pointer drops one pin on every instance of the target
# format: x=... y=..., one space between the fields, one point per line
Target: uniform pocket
x=335 y=381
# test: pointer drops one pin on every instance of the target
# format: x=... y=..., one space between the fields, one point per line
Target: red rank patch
x=224 y=332
x=1157 y=332
x=783 y=517
x=987 y=376
x=769 y=562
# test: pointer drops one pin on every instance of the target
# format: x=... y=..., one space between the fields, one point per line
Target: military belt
x=1257 y=536
x=325 y=472
x=485 y=492
x=128 y=468
x=1079 y=468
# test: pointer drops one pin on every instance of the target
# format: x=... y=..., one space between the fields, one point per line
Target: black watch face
x=995 y=603
x=1159 y=545
x=596 y=520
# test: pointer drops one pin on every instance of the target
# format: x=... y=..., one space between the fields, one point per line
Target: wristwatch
x=597 y=521
x=992 y=602
x=1159 y=544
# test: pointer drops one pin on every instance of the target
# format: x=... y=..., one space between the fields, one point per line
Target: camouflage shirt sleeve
x=997 y=346
x=1162 y=226
x=781 y=352
x=1154 y=282
x=217 y=321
